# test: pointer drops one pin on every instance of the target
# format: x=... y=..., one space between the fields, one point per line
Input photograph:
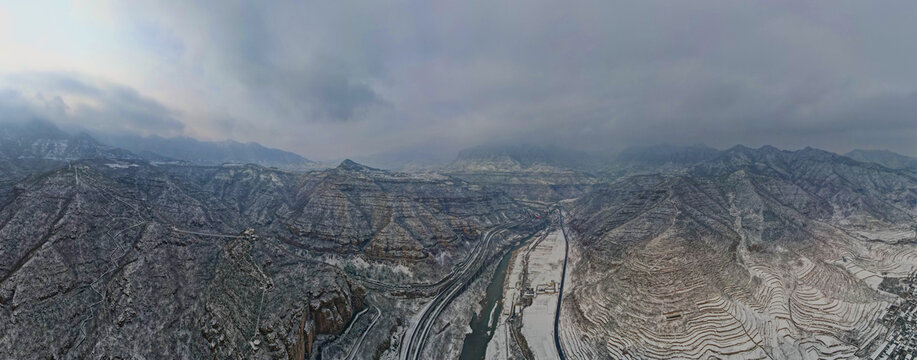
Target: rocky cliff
x=116 y=258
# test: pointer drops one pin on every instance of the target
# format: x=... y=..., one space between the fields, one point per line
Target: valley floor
x=530 y=298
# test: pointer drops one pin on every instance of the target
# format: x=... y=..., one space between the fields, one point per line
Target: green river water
x=483 y=324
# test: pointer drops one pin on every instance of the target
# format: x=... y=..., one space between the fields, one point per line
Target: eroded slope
x=756 y=254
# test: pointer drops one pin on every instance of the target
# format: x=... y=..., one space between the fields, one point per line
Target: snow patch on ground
x=545 y=265
x=121 y=166
x=372 y=269
x=538 y=327
x=888 y=235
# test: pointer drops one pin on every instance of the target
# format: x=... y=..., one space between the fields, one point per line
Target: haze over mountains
x=470 y=180
x=884 y=157
x=235 y=253
x=207 y=152
x=175 y=256
x=37 y=139
x=51 y=143
x=37 y=146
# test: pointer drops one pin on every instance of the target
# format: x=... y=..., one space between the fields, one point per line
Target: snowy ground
x=538 y=327
x=544 y=266
x=498 y=348
x=546 y=260
x=541 y=262
x=889 y=235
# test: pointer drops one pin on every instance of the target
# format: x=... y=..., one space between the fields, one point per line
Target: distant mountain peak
x=662 y=153
x=811 y=151
x=520 y=157
x=210 y=152
x=740 y=148
x=43 y=140
x=874 y=151
x=350 y=165
x=885 y=158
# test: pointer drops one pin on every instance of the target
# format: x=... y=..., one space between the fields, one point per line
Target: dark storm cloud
x=342 y=78
x=296 y=61
x=76 y=101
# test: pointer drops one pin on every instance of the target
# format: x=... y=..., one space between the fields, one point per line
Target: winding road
x=560 y=293
x=415 y=337
x=356 y=346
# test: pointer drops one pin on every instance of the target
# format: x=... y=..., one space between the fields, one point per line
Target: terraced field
x=673 y=297
x=734 y=265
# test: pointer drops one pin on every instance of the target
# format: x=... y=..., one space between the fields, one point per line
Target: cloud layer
x=337 y=79
x=77 y=101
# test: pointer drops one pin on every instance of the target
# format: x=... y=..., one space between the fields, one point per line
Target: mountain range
x=208 y=152
x=669 y=252
x=772 y=248
x=885 y=158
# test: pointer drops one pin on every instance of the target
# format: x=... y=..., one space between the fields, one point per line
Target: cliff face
x=352 y=208
x=121 y=258
x=391 y=215
x=782 y=253
x=93 y=265
x=245 y=313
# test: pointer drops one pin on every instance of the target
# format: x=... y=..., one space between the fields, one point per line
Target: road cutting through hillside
x=415 y=337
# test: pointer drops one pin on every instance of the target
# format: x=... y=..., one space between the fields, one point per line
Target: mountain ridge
x=885 y=158
x=731 y=228
x=210 y=152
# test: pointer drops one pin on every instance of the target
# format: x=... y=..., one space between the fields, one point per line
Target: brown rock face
x=118 y=261
x=112 y=257
x=284 y=308
x=304 y=339
x=390 y=215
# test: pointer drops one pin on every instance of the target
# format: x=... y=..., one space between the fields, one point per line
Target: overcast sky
x=346 y=78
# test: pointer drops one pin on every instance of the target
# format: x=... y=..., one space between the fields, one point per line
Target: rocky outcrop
x=247 y=316
x=125 y=259
x=390 y=215
x=129 y=262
